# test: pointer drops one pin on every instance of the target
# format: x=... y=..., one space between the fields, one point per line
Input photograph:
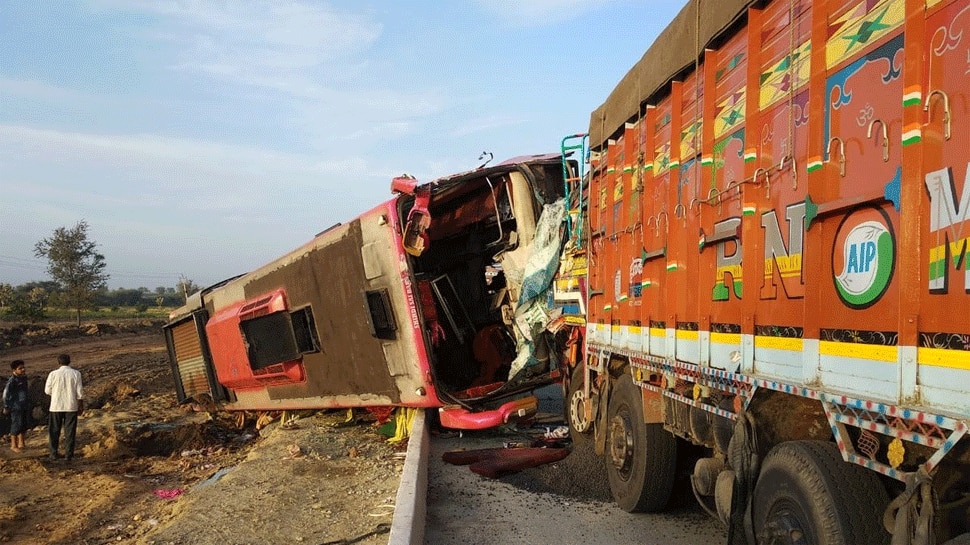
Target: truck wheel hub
x=577 y=411
x=785 y=529
x=621 y=444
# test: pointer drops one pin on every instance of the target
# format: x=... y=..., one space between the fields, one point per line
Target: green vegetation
x=75 y=265
x=41 y=301
x=113 y=313
x=78 y=286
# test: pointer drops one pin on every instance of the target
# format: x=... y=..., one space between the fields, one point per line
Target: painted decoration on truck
x=636 y=188
x=690 y=138
x=947 y=183
x=729 y=158
x=728 y=265
x=662 y=151
x=785 y=76
x=662 y=160
x=687 y=185
x=866 y=22
x=618 y=188
x=838 y=87
x=948 y=217
x=618 y=294
x=784 y=260
x=863 y=257
x=732 y=63
x=730 y=83
x=729 y=113
x=636 y=277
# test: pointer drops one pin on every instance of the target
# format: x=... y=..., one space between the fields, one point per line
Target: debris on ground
x=148 y=470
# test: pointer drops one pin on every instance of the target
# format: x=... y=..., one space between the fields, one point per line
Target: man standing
x=67 y=402
x=17 y=404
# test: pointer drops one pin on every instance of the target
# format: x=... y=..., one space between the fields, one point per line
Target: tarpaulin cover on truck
x=677 y=47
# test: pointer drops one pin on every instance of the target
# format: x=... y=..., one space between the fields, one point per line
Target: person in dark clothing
x=16 y=403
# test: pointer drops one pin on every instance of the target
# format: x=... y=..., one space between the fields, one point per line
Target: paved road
x=563 y=503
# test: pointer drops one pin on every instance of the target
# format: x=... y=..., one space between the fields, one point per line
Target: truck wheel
x=576 y=401
x=641 y=458
x=806 y=494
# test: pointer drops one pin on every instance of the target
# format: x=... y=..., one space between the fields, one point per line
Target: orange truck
x=766 y=285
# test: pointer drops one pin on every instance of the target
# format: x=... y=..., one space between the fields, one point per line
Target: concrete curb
x=407 y=527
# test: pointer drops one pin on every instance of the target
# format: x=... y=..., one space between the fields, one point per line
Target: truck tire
x=806 y=494
x=579 y=425
x=641 y=458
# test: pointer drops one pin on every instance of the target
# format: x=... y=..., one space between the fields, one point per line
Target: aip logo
x=863 y=257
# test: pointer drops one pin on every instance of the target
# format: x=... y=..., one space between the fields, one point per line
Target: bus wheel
x=576 y=401
x=642 y=458
x=806 y=494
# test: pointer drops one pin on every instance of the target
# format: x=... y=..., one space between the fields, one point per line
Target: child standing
x=16 y=404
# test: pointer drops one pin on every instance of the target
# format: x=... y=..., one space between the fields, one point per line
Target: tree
x=6 y=295
x=186 y=287
x=75 y=264
x=28 y=307
x=122 y=297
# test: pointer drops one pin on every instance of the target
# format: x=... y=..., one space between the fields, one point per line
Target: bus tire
x=806 y=493
x=641 y=458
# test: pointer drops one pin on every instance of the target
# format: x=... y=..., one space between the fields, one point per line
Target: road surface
x=561 y=503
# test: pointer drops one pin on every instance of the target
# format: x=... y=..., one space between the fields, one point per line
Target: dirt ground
x=147 y=471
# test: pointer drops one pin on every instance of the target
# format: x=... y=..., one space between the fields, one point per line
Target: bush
x=25 y=309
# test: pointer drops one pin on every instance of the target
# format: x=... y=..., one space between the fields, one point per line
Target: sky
x=200 y=139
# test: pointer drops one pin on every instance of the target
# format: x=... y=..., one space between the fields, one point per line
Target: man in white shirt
x=67 y=402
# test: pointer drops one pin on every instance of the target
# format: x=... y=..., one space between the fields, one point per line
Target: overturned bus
x=436 y=298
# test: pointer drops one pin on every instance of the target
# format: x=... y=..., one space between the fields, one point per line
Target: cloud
x=215 y=175
x=319 y=68
x=170 y=199
x=35 y=89
x=111 y=150
x=473 y=126
x=37 y=194
x=185 y=175
x=239 y=128
x=257 y=43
